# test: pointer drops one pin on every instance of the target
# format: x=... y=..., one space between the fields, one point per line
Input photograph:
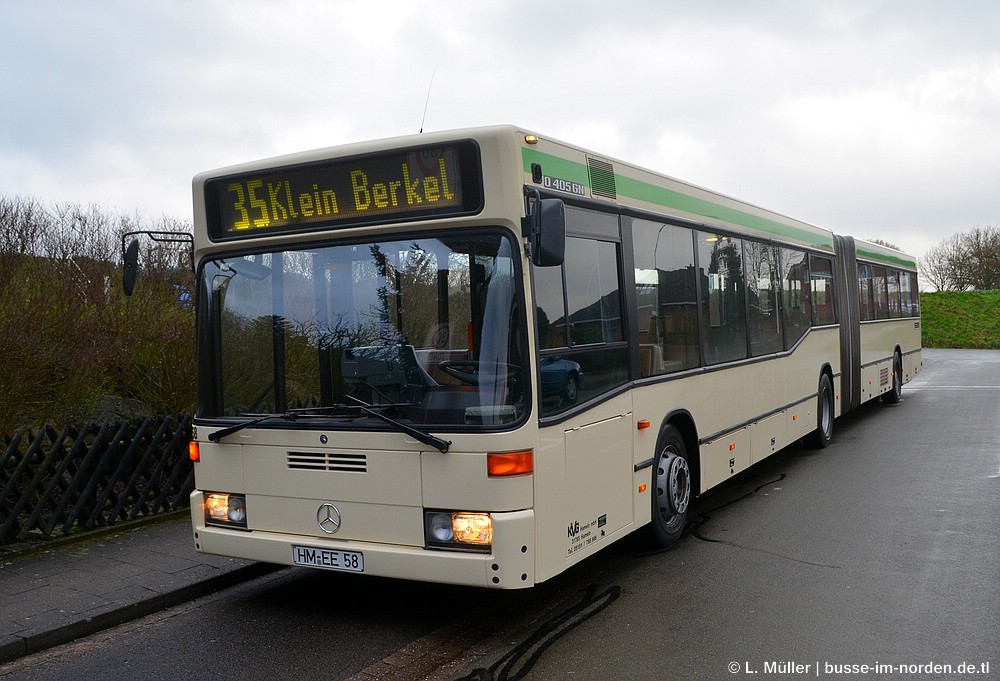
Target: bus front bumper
x=508 y=565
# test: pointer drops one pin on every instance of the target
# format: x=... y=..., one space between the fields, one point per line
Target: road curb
x=45 y=640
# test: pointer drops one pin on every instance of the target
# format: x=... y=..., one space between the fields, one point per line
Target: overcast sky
x=875 y=119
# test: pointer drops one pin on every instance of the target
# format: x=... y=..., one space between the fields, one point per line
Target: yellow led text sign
x=427 y=182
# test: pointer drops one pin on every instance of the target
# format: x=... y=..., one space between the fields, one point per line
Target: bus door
x=582 y=358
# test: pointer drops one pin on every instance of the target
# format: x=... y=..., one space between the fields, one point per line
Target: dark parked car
x=561 y=378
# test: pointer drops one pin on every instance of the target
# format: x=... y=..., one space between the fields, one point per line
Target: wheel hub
x=673 y=485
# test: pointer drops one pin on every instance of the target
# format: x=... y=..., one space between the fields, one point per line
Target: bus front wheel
x=671 y=488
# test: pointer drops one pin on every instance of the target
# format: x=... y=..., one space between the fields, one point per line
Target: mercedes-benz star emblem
x=328 y=517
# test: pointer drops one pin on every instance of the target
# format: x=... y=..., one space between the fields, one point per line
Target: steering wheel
x=468 y=370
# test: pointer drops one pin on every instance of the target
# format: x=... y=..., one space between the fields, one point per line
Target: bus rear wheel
x=820 y=438
x=892 y=397
x=671 y=488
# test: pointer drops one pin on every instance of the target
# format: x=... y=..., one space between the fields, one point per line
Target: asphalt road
x=883 y=549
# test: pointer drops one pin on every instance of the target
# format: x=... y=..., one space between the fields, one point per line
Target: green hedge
x=961 y=319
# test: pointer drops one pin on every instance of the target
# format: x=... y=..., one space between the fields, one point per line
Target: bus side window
x=550 y=307
x=763 y=288
x=796 y=305
x=880 y=293
x=581 y=329
x=593 y=292
x=865 y=292
x=667 y=296
x=893 y=281
x=905 y=299
x=914 y=295
x=723 y=304
x=822 y=290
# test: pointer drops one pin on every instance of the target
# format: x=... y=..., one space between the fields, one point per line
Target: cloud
x=876 y=119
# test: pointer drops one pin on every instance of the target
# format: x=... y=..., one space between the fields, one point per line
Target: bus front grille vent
x=602 y=178
x=328 y=461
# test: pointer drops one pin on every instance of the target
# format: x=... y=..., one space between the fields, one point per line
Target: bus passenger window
x=582 y=348
x=723 y=305
x=666 y=292
x=592 y=291
x=821 y=281
x=914 y=295
x=905 y=299
x=763 y=288
x=893 y=281
x=880 y=293
x=865 y=292
x=795 y=295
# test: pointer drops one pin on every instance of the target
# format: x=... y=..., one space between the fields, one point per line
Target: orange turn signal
x=499 y=464
x=194 y=452
x=643 y=424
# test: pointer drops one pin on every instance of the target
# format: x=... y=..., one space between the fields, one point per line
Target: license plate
x=328 y=559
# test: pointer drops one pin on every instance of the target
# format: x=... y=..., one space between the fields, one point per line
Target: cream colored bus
x=480 y=356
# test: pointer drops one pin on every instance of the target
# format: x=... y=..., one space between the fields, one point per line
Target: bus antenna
x=427 y=101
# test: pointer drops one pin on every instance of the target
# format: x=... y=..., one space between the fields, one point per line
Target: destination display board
x=400 y=185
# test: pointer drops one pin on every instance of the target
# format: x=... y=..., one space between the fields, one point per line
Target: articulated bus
x=478 y=357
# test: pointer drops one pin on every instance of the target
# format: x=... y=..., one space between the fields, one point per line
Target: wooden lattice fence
x=57 y=482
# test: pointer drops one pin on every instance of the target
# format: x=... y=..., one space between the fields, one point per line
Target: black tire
x=892 y=397
x=671 y=488
x=820 y=438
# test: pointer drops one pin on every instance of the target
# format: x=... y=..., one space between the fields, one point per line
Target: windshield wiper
x=415 y=433
x=293 y=414
x=219 y=434
x=289 y=415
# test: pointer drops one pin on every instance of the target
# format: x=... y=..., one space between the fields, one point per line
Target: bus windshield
x=428 y=329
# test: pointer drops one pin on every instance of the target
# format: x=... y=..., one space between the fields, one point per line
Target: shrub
x=74 y=347
x=961 y=319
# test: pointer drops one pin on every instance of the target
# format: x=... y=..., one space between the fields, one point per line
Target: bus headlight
x=458 y=530
x=226 y=510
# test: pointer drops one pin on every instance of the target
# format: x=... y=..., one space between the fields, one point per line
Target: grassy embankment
x=961 y=319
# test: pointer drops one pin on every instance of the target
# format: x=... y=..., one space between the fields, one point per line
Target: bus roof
x=567 y=169
x=873 y=252
x=631 y=185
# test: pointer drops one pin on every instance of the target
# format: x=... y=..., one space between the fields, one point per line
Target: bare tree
x=982 y=249
x=963 y=261
x=935 y=268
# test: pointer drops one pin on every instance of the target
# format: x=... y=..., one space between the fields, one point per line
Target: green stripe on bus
x=561 y=168
x=661 y=196
x=555 y=166
x=886 y=259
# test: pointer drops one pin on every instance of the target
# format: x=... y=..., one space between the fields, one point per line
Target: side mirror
x=548 y=233
x=131 y=267
x=130 y=254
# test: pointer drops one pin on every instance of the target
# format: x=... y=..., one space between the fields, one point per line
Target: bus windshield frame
x=428 y=329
